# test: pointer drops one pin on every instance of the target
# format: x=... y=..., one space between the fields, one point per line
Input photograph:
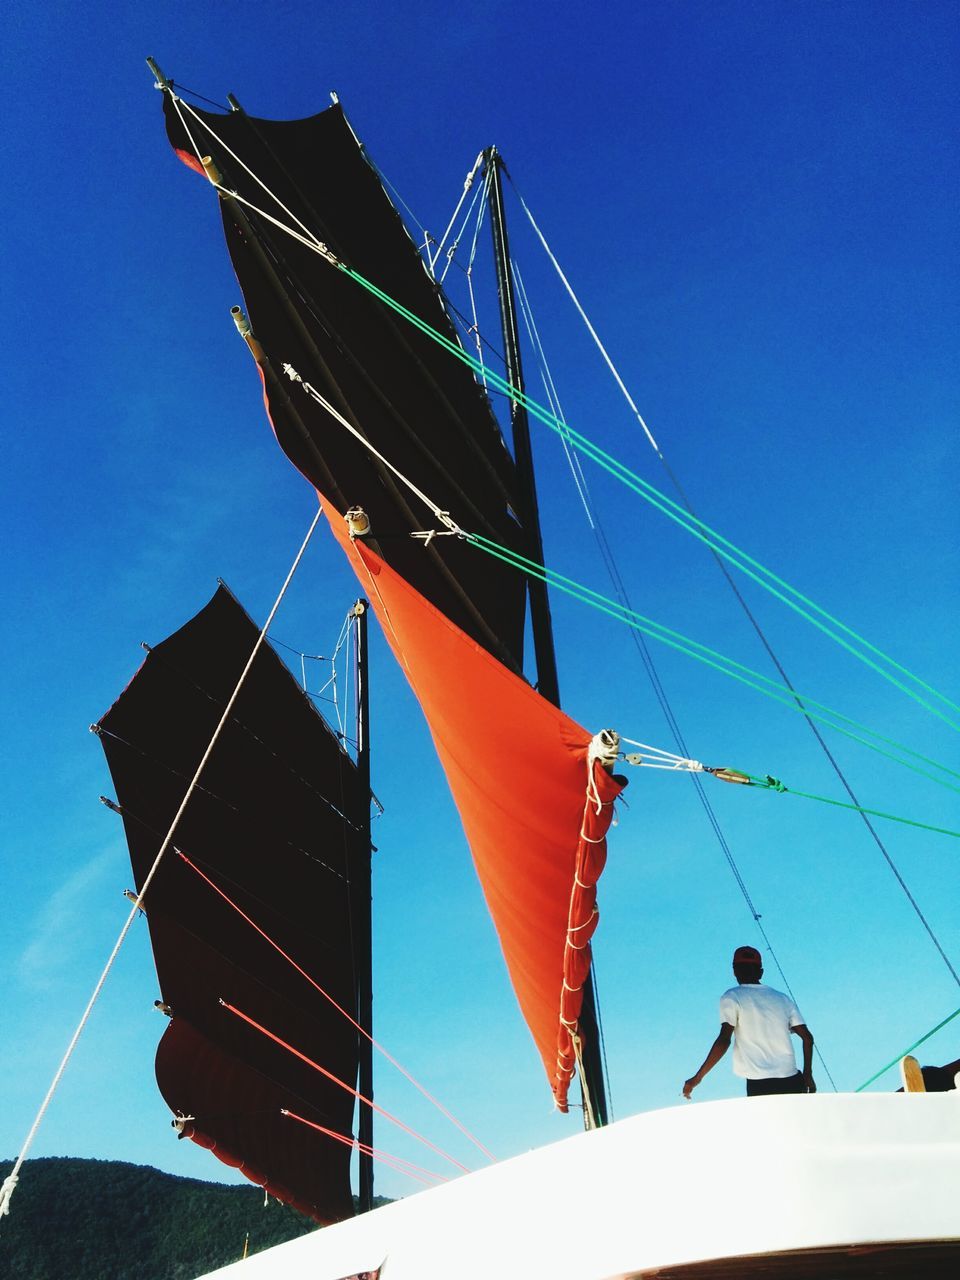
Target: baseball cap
x=747 y=955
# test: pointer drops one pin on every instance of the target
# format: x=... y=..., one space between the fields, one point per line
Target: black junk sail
x=253 y=895
x=405 y=396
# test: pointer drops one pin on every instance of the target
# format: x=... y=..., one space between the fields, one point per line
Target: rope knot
x=6 y=1192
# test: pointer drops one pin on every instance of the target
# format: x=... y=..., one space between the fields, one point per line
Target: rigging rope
x=773 y=784
x=697 y=527
x=606 y=553
x=741 y=601
x=703 y=653
x=11 y=1181
x=909 y=1049
x=747 y=564
x=245 y=1017
x=398 y=1163
x=353 y=1022
x=640 y=622
x=467 y=184
x=680 y=514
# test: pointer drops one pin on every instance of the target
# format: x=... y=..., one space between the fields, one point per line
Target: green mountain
x=106 y=1220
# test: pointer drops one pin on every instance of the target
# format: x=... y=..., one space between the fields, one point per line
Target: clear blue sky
x=757 y=205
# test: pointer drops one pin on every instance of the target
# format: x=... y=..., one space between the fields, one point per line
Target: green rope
x=910 y=1049
x=718 y=661
x=774 y=784
x=672 y=509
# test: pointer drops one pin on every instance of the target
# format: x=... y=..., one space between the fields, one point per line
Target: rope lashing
x=602 y=753
x=909 y=1049
x=604 y=749
x=6 y=1193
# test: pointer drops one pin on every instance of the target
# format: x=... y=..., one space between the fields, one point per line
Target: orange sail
x=534 y=808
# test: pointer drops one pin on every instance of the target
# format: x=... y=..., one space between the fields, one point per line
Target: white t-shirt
x=761 y=1019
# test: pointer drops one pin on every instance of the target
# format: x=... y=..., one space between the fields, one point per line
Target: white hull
x=699 y=1182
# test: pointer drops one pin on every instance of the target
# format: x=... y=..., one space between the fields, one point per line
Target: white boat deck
x=699 y=1183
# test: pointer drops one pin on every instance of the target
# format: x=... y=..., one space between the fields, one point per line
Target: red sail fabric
x=518 y=770
x=233 y=1110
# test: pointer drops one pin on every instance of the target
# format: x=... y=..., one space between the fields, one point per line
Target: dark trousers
x=784 y=1084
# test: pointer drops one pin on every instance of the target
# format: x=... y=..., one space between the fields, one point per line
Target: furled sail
x=251 y=902
x=518 y=768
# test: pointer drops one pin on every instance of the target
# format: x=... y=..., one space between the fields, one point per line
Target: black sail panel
x=254 y=890
x=417 y=405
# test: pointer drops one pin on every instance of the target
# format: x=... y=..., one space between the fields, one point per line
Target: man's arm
x=717 y=1050
x=806 y=1039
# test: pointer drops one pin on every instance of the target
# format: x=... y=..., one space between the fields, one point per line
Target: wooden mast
x=548 y=684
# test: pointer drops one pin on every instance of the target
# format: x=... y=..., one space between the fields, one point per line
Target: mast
x=362 y=921
x=548 y=684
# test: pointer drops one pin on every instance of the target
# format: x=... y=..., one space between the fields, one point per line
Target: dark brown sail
x=405 y=395
x=250 y=903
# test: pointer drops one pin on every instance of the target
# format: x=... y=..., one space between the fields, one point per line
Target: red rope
x=395 y=1162
x=379 y=1047
x=341 y=1084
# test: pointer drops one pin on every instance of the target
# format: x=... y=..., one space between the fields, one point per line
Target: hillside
x=106 y=1220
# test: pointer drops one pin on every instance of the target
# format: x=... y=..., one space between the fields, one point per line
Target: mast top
x=162 y=81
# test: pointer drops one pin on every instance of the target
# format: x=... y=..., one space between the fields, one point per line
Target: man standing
x=760 y=1022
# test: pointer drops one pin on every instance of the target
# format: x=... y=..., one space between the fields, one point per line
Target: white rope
x=468 y=183
x=443 y=516
x=6 y=1193
x=474 y=315
x=604 y=747
x=593 y=333
x=661 y=759
x=553 y=399
x=11 y=1181
x=480 y=194
x=273 y=196
x=310 y=241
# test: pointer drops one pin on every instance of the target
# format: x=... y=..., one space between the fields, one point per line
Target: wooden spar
x=548 y=684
